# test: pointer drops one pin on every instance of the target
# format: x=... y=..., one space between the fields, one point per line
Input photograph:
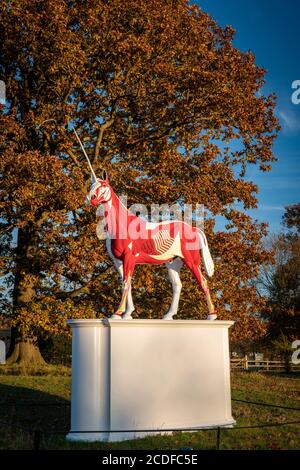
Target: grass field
x=53 y=385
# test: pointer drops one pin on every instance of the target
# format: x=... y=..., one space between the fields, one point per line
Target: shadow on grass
x=33 y=409
x=49 y=411
x=37 y=410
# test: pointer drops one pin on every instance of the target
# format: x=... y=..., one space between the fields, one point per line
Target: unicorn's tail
x=206 y=256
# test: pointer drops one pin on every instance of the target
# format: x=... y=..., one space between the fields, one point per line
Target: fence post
x=218 y=438
x=246 y=362
x=36 y=439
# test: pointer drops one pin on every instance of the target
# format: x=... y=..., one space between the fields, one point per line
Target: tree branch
x=73 y=156
x=85 y=289
x=81 y=290
x=102 y=129
x=175 y=124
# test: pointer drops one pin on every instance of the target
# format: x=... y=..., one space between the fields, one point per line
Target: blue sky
x=270 y=29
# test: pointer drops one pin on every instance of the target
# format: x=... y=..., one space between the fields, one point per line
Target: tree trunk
x=26 y=353
x=24 y=350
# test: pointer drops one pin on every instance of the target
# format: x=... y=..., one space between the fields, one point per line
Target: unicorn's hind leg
x=173 y=271
x=195 y=269
x=212 y=315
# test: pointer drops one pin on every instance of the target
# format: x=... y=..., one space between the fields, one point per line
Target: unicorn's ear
x=104 y=176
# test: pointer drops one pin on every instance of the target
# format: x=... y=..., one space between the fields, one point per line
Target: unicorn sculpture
x=131 y=240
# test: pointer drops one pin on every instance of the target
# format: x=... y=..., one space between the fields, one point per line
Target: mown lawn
x=53 y=385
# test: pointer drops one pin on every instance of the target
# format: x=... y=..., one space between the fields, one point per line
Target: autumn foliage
x=172 y=110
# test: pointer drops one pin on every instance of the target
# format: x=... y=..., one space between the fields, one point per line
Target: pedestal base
x=147 y=377
x=128 y=436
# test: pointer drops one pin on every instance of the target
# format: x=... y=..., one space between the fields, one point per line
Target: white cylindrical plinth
x=90 y=407
x=145 y=376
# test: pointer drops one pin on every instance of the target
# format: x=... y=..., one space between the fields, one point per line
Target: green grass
x=53 y=384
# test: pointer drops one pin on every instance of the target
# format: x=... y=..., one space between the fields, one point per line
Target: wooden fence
x=244 y=363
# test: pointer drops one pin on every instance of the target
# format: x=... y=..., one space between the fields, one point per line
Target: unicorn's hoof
x=212 y=316
x=167 y=317
x=115 y=316
x=127 y=317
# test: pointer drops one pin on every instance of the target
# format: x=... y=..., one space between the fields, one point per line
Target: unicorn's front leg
x=129 y=306
x=128 y=268
x=122 y=307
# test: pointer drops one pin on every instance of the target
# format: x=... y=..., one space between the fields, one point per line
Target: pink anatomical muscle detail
x=132 y=240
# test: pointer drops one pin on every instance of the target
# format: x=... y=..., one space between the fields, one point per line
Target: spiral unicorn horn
x=94 y=177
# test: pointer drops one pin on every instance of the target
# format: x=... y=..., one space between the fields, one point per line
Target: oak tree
x=172 y=110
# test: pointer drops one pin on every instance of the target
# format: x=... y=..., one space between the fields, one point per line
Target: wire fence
x=37 y=434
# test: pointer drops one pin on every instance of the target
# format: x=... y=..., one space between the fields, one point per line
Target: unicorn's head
x=100 y=191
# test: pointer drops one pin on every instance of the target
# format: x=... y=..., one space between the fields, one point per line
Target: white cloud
x=289 y=119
